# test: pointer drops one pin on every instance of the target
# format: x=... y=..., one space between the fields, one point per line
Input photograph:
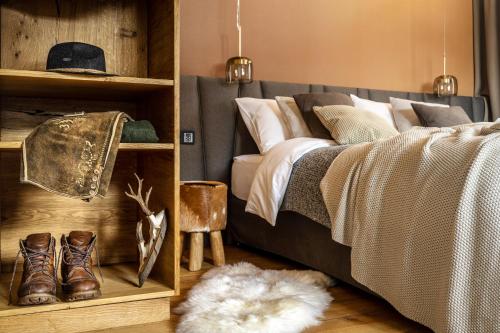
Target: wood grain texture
x=160 y=170
x=15 y=82
x=163 y=59
x=195 y=251
x=120 y=285
x=352 y=311
x=182 y=238
x=17 y=146
x=28 y=209
x=217 y=248
x=33 y=27
x=89 y=318
x=20 y=115
x=141 y=43
x=163 y=63
x=173 y=37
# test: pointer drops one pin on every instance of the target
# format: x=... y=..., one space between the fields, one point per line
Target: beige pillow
x=349 y=125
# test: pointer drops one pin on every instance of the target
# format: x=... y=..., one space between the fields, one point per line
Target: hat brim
x=81 y=71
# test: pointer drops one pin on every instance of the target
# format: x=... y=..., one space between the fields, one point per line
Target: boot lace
x=38 y=262
x=80 y=257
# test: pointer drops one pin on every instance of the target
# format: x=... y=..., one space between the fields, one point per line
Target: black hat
x=76 y=57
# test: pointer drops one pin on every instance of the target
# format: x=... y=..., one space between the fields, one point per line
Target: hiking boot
x=78 y=279
x=38 y=284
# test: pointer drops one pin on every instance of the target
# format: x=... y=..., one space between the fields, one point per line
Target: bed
x=208 y=108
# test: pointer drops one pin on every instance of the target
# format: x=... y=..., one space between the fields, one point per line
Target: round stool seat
x=203 y=206
x=203 y=209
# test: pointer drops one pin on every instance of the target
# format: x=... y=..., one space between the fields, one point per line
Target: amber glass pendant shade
x=239 y=69
x=446 y=85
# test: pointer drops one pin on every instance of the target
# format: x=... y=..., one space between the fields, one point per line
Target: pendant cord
x=444 y=38
x=238 y=25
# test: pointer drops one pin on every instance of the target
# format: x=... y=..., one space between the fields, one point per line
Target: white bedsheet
x=242 y=174
x=272 y=176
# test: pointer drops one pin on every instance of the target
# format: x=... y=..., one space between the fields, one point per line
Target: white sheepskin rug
x=244 y=298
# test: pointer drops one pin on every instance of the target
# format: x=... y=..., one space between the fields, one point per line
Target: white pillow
x=264 y=121
x=404 y=116
x=383 y=110
x=297 y=127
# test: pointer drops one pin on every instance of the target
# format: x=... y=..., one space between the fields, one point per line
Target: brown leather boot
x=78 y=279
x=38 y=284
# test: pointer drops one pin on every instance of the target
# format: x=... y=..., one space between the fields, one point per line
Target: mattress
x=242 y=174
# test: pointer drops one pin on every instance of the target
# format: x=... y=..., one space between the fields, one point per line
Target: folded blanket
x=73 y=156
x=303 y=194
x=141 y=131
x=421 y=212
x=272 y=176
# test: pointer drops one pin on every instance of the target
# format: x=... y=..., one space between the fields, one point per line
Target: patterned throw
x=421 y=212
x=303 y=195
x=73 y=156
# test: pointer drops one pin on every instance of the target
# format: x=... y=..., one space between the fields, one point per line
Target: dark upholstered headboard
x=208 y=108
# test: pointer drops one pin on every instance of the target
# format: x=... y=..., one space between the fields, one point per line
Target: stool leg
x=217 y=248
x=196 y=251
x=181 y=244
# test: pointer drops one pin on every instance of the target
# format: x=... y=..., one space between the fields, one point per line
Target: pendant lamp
x=445 y=85
x=239 y=69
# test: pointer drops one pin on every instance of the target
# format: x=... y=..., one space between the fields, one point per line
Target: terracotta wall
x=385 y=44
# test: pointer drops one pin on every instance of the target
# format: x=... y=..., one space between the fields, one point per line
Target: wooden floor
x=352 y=311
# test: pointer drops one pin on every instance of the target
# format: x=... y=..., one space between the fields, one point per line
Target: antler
x=141 y=244
x=138 y=196
x=148 y=251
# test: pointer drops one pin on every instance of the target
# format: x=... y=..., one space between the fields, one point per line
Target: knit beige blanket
x=421 y=212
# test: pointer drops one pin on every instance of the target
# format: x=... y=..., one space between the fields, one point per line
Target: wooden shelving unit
x=17 y=145
x=25 y=83
x=141 y=44
x=119 y=287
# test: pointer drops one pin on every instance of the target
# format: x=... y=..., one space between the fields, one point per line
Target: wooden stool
x=203 y=209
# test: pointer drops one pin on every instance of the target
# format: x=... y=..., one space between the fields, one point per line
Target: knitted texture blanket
x=421 y=212
x=74 y=155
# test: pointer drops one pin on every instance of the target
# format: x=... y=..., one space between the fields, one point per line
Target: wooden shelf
x=120 y=285
x=16 y=145
x=60 y=85
x=146 y=146
x=141 y=43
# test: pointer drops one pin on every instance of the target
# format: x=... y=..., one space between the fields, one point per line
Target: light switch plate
x=187 y=137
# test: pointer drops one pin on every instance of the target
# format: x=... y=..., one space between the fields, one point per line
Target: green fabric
x=141 y=131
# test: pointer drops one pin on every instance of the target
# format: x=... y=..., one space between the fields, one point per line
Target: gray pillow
x=306 y=102
x=404 y=115
x=432 y=116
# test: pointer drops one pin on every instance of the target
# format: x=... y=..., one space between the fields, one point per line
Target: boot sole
x=81 y=296
x=37 y=299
